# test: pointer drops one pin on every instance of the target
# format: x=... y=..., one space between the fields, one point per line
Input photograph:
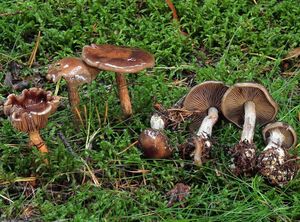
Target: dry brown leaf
x=178 y=194
x=292 y=54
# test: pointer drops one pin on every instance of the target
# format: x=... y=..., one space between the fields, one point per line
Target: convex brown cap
x=237 y=95
x=73 y=70
x=203 y=96
x=30 y=110
x=154 y=144
x=117 y=58
x=290 y=136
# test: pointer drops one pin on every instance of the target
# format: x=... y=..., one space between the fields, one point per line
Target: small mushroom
x=205 y=101
x=29 y=113
x=274 y=162
x=154 y=144
x=120 y=60
x=246 y=104
x=76 y=73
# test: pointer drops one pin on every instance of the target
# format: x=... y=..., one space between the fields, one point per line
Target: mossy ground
x=232 y=41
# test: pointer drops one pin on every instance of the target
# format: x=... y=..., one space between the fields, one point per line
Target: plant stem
x=249 y=122
x=123 y=94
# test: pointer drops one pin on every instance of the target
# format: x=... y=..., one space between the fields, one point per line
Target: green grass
x=227 y=40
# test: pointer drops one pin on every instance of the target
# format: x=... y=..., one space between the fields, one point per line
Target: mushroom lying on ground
x=120 y=60
x=205 y=101
x=29 y=113
x=154 y=144
x=76 y=73
x=246 y=104
x=274 y=162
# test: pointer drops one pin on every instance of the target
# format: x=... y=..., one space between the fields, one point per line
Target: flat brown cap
x=237 y=95
x=290 y=136
x=72 y=70
x=30 y=110
x=117 y=58
x=203 y=96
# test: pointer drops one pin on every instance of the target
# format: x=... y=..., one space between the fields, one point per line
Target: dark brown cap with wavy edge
x=117 y=58
x=203 y=96
x=29 y=111
x=154 y=144
x=290 y=136
x=237 y=95
x=73 y=70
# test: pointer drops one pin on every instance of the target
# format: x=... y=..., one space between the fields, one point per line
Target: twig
x=6 y=198
x=131 y=145
x=33 y=53
x=69 y=148
x=172 y=7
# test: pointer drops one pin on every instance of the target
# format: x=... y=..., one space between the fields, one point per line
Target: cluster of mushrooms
x=245 y=105
x=29 y=111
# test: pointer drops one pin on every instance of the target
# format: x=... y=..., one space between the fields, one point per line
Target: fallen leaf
x=292 y=54
x=178 y=194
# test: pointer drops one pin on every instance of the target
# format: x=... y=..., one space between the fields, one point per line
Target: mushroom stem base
x=244 y=158
x=39 y=143
x=124 y=94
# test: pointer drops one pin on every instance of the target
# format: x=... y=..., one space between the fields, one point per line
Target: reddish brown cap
x=117 y=58
x=73 y=70
x=203 y=96
x=30 y=110
x=154 y=144
x=237 y=95
x=290 y=136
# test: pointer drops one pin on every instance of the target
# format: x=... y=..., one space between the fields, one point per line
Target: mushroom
x=274 y=162
x=29 y=113
x=204 y=100
x=120 y=60
x=246 y=104
x=76 y=73
x=154 y=144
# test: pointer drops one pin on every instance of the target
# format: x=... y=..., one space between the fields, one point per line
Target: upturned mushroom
x=274 y=162
x=29 y=113
x=120 y=60
x=76 y=73
x=204 y=100
x=154 y=144
x=247 y=104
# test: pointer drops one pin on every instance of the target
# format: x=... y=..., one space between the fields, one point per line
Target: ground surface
x=226 y=40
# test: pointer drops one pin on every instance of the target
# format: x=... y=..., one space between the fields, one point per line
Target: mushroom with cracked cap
x=29 y=113
x=76 y=73
x=120 y=60
x=205 y=101
x=274 y=162
x=247 y=104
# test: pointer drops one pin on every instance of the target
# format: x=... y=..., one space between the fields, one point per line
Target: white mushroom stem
x=157 y=122
x=275 y=142
x=208 y=122
x=249 y=122
x=205 y=132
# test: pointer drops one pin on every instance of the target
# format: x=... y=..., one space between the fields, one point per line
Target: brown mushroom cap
x=290 y=136
x=117 y=58
x=154 y=144
x=237 y=95
x=73 y=70
x=30 y=110
x=203 y=96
